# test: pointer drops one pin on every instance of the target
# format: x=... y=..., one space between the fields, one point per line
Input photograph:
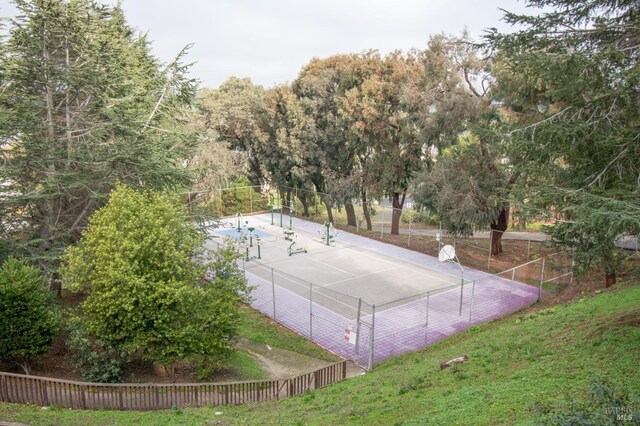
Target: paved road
x=627 y=242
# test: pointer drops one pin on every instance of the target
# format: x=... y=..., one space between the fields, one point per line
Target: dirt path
x=281 y=363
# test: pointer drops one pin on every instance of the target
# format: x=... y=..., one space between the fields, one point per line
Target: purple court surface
x=363 y=299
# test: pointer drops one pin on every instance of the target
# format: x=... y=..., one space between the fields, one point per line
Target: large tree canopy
x=83 y=104
x=571 y=78
x=235 y=112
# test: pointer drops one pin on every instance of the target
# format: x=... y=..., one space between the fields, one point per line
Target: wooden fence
x=44 y=391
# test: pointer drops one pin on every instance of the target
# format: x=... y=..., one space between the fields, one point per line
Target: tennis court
x=360 y=298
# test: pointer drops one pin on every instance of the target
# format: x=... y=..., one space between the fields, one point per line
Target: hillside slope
x=519 y=368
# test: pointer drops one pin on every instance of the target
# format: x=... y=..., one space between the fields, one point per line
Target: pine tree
x=572 y=82
x=83 y=105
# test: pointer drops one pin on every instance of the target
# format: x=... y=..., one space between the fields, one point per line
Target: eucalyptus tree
x=470 y=182
x=235 y=112
x=468 y=187
x=321 y=86
x=285 y=153
x=397 y=147
x=83 y=104
x=214 y=164
x=570 y=78
x=384 y=145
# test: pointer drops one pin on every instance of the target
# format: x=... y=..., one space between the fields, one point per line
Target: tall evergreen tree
x=571 y=80
x=83 y=104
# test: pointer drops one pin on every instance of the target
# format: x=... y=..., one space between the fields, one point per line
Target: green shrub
x=242 y=197
x=95 y=361
x=144 y=266
x=29 y=319
x=416 y=216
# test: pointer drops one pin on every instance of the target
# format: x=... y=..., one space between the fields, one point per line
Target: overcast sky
x=271 y=40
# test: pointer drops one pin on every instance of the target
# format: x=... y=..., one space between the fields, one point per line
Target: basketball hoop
x=447 y=253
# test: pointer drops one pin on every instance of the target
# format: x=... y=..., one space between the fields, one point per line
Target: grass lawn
x=261 y=329
x=520 y=367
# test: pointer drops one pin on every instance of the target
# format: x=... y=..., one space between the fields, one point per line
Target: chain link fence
x=359 y=330
x=366 y=333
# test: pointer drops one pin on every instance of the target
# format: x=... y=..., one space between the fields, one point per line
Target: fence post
x=541 y=280
x=513 y=277
x=83 y=401
x=473 y=290
x=311 y=311
x=528 y=249
x=382 y=223
x=426 y=324
x=251 y=199
x=410 y=220
x=43 y=391
x=357 y=349
x=273 y=292
x=490 y=249
x=461 y=294
x=371 y=337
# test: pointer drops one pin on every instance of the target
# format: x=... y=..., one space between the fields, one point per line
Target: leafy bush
x=96 y=361
x=29 y=319
x=143 y=263
x=242 y=197
x=416 y=216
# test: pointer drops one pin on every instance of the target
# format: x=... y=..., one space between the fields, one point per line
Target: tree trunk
x=351 y=215
x=170 y=371
x=498 y=227
x=305 y=204
x=327 y=203
x=397 y=203
x=366 y=210
x=610 y=278
x=25 y=366
x=47 y=208
x=255 y=170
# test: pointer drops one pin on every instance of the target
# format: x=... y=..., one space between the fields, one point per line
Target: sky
x=270 y=41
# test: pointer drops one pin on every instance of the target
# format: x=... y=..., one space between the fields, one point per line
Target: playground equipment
x=290 y=214
x=251 y=229
x=258 y=241
x=272 y=200
x=273 y=206
x=246 y=241
x=292 y=249
x=328 y=233
x=238 y=228
x=288 y=234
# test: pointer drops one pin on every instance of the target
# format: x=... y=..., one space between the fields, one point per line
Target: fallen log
x=457 y=360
